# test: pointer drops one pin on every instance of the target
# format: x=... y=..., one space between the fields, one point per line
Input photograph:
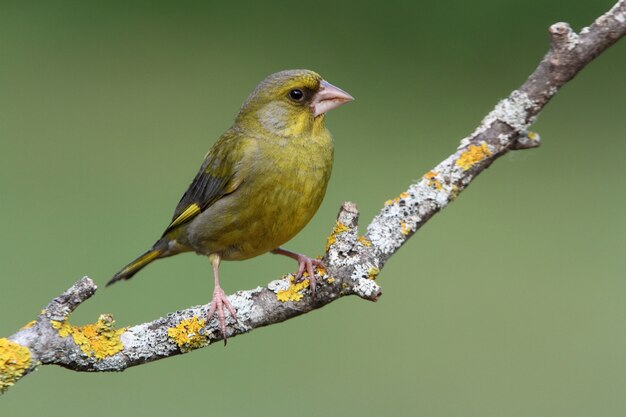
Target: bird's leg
x=304 y=262
x=219 y=298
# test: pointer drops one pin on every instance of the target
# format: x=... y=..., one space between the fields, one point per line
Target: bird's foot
x=304 y=264
x=307 y=264
x=217 y=305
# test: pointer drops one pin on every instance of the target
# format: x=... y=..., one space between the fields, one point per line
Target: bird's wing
x=220 y=174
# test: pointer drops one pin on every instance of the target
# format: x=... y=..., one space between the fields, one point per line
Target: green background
x=511 y=302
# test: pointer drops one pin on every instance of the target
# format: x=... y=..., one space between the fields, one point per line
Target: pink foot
x=304 y=264
x=308 y=264
x=217 y=305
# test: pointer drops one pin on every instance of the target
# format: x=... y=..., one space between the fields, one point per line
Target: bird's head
x=291 y=103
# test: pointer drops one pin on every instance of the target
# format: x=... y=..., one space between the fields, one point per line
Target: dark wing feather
x=219 y=175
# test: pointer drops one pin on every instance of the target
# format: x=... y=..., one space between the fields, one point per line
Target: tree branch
x=352 y=261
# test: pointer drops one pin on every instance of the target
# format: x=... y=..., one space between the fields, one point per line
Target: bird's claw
x=217 y=305
x=308 y=264
x=304 y=264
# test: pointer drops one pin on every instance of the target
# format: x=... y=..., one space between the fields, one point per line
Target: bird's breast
x=283 y=188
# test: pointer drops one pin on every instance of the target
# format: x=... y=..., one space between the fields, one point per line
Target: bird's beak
x=328 y=97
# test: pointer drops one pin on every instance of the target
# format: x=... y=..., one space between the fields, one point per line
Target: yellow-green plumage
x=279 y=187
x=264 y=178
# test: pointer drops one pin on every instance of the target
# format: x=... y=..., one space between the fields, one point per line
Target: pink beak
x=328 y=97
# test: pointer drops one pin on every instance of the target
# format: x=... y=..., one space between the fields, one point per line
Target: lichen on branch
x=352 y=262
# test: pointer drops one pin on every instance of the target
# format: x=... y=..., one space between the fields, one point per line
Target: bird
x=259 y=184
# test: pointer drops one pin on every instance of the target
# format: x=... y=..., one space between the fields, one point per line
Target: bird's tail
x=156 y=252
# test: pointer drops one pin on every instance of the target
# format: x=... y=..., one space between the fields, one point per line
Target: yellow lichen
x=293 y=292
x=472 y=155
x=339 y=228
x=372 y=273
x=406 y=229
x=64 y=328
x=330 y=280
x=187 y=334
x=454 y=192
x=98 y=340
x=532 y=135
x=431 y=176
x=330 y=241
x=402 y=196
x=29 y=324
x=364 y=241
x=14 y=361
x=395 y=200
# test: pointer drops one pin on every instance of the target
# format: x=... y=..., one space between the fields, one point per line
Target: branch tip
x=367 y=289
x=560 y=29
x=563 y=37
x=527 y=140
x=61 y=306
x=349 y=214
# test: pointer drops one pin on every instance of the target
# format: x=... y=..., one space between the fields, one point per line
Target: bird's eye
x=296 y=94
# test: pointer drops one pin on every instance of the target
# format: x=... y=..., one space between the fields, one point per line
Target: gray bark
x=352 y=261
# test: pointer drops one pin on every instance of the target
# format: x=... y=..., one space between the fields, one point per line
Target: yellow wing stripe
x=189 y=212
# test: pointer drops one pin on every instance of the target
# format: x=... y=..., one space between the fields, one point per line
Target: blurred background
x=510 y=302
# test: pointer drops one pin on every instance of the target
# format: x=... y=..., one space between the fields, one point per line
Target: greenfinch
x=260 y=183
